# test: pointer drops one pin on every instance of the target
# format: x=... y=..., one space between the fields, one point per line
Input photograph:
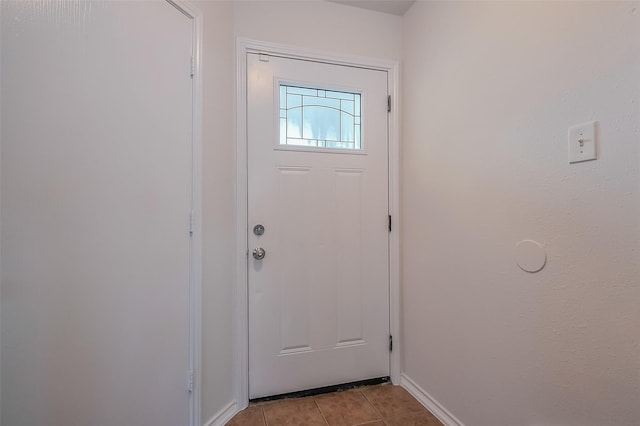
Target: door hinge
x=389 y=223
x=390 y=343
x=191 y=224
x=389 y=103
x=190 y=380
x=193 y=67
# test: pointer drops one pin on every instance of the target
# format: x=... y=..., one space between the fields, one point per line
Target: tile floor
x=380 y=405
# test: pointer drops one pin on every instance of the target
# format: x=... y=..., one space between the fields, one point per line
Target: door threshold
x=324 y=389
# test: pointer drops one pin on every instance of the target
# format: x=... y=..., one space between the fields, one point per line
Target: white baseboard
x=429 y=402
x=223 y=415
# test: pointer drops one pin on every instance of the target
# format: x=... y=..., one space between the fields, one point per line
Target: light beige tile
x=346 y=408
x=358 y=407
x=251 y=416
x=294 y=412
x=393 y=401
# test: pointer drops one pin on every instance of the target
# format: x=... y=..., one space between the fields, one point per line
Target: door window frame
x=241 y=310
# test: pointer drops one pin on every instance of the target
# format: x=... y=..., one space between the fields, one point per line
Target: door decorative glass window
x=319 y=118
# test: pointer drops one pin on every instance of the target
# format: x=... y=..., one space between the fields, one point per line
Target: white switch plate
x=582 y=142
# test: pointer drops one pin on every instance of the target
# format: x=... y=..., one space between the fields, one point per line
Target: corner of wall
x=429 y=402
x=223 y=416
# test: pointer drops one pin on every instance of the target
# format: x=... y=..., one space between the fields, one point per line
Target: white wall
x=319 y=25
x=490 y=90
x=218 y=205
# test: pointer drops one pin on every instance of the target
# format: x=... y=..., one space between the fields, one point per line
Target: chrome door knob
x=259 y=253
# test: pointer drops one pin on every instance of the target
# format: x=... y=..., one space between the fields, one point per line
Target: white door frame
x=241 y=316
x=195 y=273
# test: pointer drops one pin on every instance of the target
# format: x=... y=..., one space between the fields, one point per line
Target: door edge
x=194 y=376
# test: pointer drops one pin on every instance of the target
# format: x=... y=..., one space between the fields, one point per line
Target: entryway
x=382 y=405
x=318 y=224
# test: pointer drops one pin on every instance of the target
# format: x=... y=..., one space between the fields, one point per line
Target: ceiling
x=394 y=7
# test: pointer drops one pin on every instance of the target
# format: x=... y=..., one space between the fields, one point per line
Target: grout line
x=373 y=405
x=321 y=413
x=264 y=416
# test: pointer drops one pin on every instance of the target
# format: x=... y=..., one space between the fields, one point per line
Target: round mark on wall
x=530 y=255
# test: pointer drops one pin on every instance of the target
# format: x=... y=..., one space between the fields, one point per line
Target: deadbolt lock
x=258 y=230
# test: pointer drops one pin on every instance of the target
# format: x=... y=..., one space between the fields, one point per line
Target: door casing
x=241 y=316
x=195 y=284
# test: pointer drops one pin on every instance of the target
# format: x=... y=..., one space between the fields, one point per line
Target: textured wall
x=490 y=90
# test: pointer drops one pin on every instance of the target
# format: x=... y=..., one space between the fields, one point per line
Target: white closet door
x=96 y=195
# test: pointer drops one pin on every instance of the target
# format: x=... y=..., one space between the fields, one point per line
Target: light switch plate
x=582 y=142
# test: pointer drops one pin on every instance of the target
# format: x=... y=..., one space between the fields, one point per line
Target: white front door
x=318 y=185
x=96 y=194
